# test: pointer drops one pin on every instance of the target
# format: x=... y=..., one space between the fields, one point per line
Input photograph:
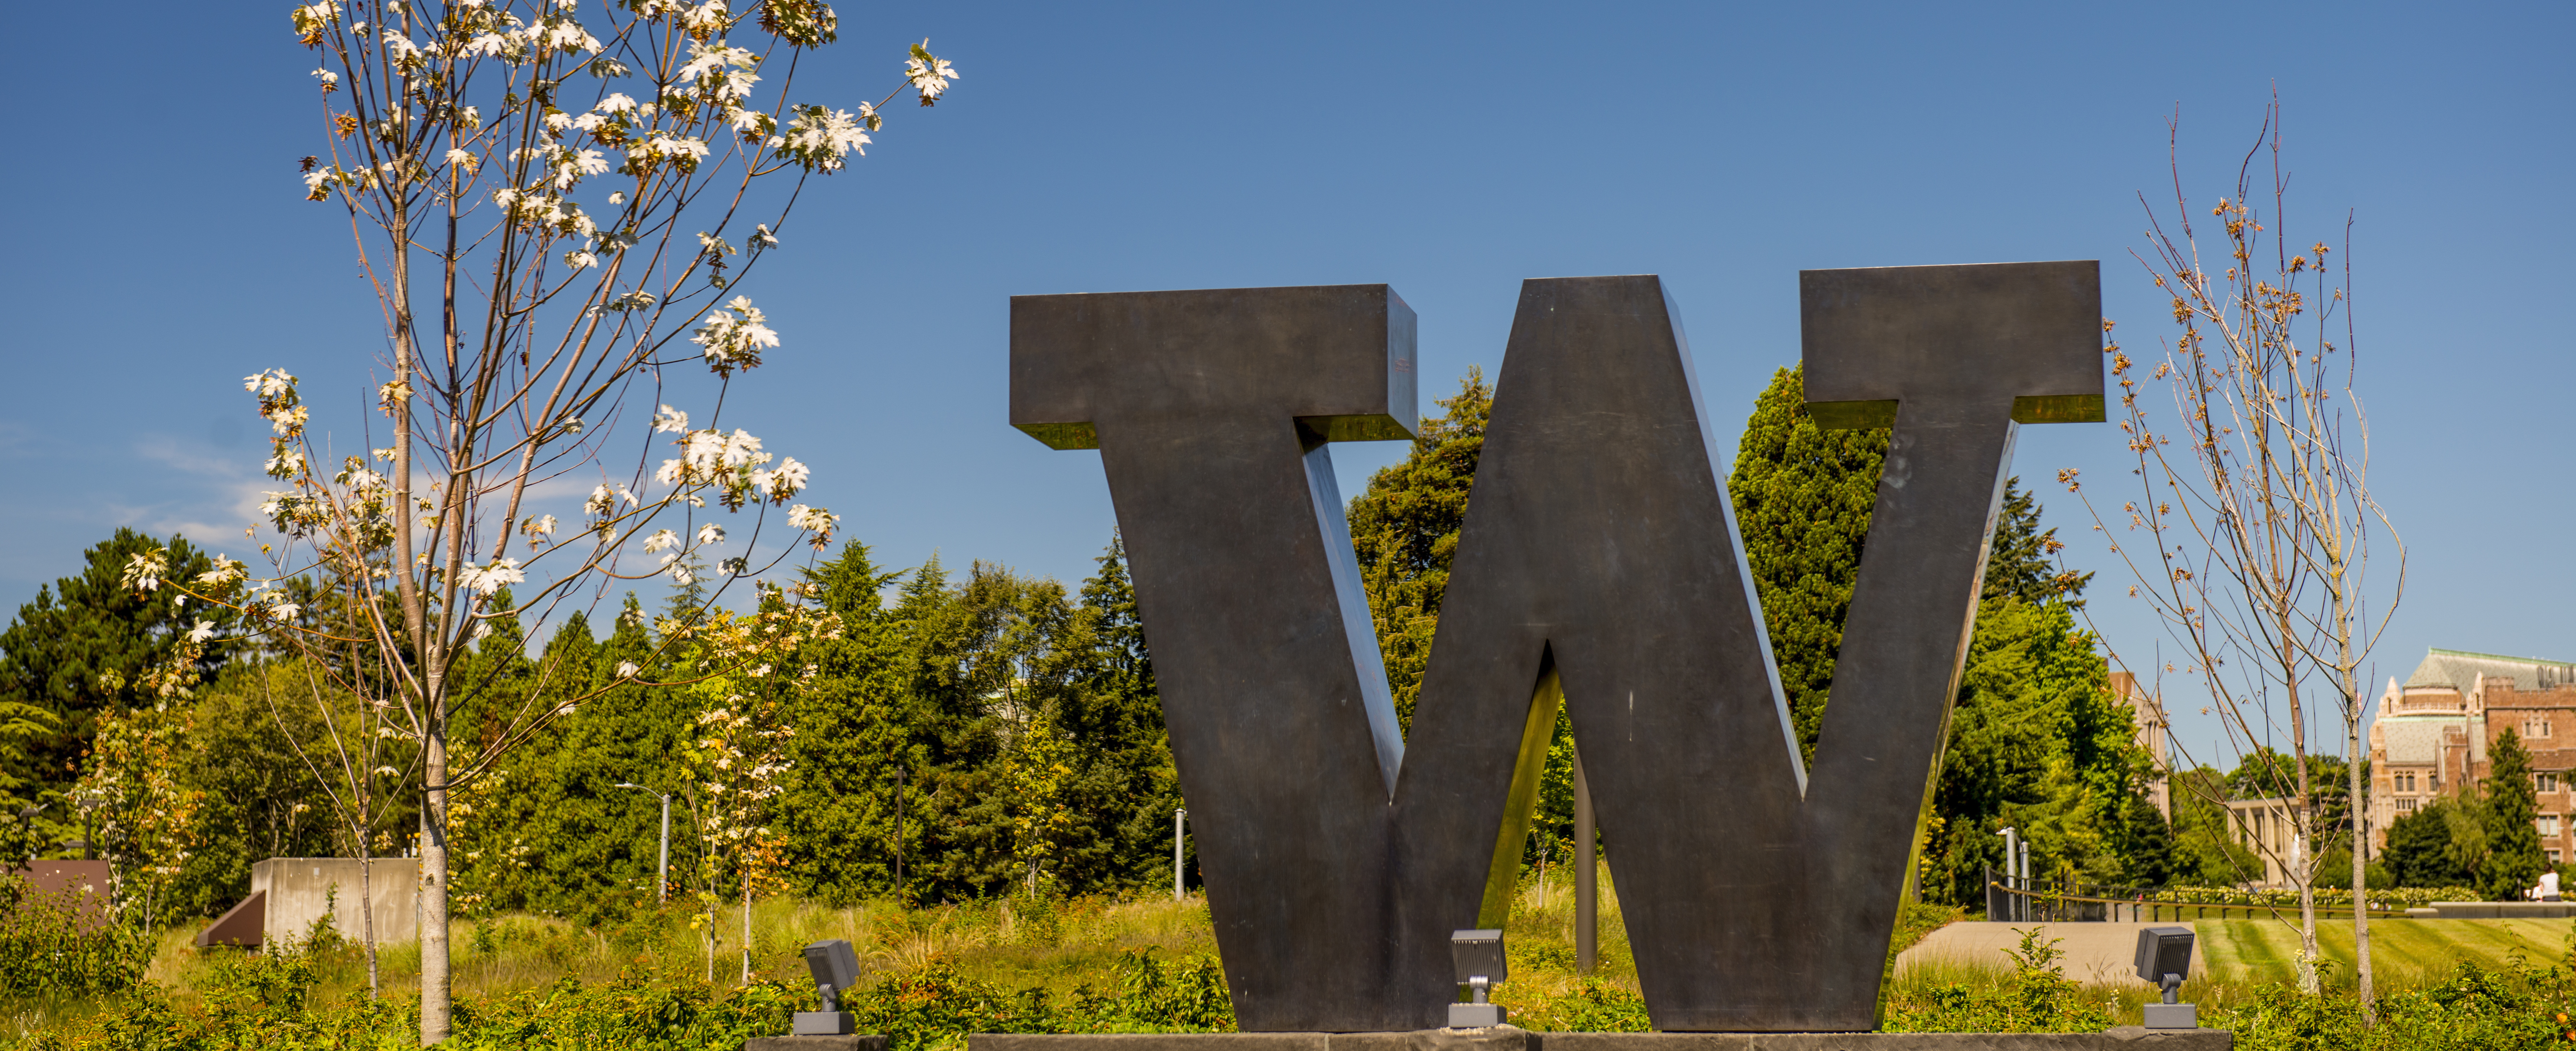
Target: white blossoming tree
x=556 y=209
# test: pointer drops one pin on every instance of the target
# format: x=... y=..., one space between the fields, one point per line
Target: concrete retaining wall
x=299 y=892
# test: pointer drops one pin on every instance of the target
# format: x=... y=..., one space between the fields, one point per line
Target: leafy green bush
x=49 y=948
x=2039 y=999
x=2518 y=1007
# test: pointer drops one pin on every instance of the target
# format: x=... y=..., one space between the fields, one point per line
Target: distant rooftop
x=2459 y=670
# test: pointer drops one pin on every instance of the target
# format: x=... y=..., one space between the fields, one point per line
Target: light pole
x=1178 y=816
x=2015 y=866
x=1587 y=877
x=661 y=868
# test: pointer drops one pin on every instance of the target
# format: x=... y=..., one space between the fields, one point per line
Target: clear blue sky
x=1449 y=150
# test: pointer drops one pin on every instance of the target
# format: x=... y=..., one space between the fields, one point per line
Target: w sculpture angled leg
x=1599 y=568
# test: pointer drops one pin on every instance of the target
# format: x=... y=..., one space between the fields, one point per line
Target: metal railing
x=2067 y=902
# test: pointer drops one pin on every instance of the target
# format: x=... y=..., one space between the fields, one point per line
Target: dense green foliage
x=1803 y=497
x=84 y=646
x=49 y=948
x=1405 y=529
x=2037 y=742
x=2514 y=860
x=1013 y=728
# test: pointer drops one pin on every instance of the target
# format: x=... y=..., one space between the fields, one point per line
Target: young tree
x=2254 y=502
x=552 y=205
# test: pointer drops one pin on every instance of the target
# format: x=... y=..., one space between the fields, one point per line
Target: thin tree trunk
x=435 y=1018
x=2360 y=866
x=367 y=900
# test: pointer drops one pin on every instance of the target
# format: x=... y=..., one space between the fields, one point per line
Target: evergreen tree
x=2037 y=743
x=2146 y=846
x=1125 y=786
x=2017 y=563
x=1405 y=529
x=1803 y=497
x=852 y=739
x=82 y=647
x=2419 y=848
x=2513 y=860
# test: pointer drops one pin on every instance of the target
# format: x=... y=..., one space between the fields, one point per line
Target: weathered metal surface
x=1211 y=410
x=1599 y=552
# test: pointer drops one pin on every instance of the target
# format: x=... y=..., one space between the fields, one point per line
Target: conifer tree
x=1405 y=528
x=2513 y=857
x=83 y=646
x=852 y=739
x=1125 y=786
x=1803 y=497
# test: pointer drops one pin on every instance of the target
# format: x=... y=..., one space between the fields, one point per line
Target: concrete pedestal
x=1508 y=1038
x=844 y=1042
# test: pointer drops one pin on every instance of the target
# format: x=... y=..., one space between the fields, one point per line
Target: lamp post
x=1587 y=876
x=2012 y=859
x=1178 y=817
x=662 y=867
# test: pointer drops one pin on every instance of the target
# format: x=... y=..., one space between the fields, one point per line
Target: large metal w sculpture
x=1599 y=568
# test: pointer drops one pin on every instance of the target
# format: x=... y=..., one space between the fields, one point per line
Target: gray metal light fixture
x=2164 y=957
x=1479 y=958
x=835 y=970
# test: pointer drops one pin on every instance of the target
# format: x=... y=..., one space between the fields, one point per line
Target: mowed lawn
x=2402 y=952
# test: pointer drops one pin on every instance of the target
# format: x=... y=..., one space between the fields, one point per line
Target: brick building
x=2430 y=736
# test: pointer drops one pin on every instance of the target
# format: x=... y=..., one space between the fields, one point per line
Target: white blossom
x=580 y=260
x=484 y=580
x=928 y=73
x=540 y=525
x=603 y=500
x=814 y=519
x=627 y=669
x=314 y=17
x=661 y=541
x=269 y=385
x=821 y=138
x=143 y=572
x=671 y=421
x=226 y=573
x=461 y=159
x=329 y=79
x=734 y=335
x=710 y=533
x=666 y=146
x=719 y=72
x=204 y=630
x=708 y=17
x=761 y=236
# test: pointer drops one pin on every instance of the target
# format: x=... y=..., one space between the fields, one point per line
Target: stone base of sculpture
x=835 y=1042
x=1509 y=1038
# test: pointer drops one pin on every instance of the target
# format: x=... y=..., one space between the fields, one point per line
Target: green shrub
x=2039 y=999
x=49 y=948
